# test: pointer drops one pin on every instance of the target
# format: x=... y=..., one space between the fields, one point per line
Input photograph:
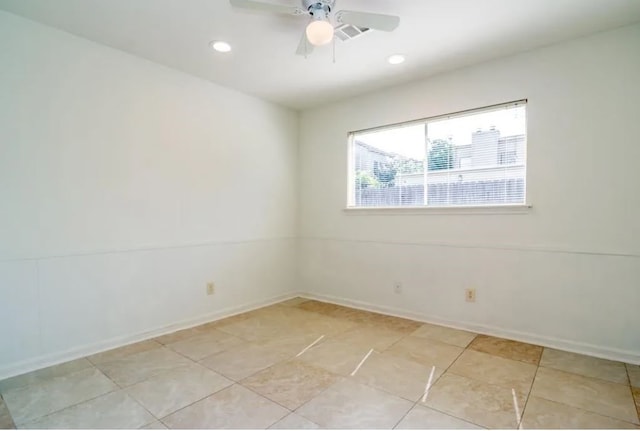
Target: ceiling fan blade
x=368 y=20
x=304 y=47
x=266 y=7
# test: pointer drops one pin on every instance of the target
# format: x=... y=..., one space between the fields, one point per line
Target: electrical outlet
x=470 y=295
x=397 y=288
x=210 y=288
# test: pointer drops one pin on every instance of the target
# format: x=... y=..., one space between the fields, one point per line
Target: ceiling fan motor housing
x=318 y=8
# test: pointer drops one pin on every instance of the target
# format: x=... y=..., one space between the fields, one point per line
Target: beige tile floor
x=246 y=372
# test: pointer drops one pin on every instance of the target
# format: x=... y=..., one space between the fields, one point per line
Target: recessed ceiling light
x=220 y=46
x=396 y=59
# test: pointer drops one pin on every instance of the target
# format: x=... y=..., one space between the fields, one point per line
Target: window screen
x=473 y=158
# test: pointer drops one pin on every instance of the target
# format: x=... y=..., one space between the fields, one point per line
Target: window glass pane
x=389 y=167
x=477 y=159
x=473 y=158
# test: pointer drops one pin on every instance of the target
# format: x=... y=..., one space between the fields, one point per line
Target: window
x=473 y=158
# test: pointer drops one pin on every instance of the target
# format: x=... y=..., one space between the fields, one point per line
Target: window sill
x=423 y=210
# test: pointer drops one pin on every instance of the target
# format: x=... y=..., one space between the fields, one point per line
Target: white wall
x=124 y=187
x=566 y=273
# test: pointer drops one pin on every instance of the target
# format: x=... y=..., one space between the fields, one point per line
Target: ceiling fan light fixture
x=319 y=32
x=220 y=46
x=396 y=59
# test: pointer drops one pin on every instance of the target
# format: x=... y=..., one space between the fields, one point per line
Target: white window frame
x=518 y=208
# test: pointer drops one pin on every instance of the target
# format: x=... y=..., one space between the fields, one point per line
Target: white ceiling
x=435 y=35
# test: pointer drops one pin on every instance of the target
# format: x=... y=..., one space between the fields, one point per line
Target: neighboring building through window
x=474 y=158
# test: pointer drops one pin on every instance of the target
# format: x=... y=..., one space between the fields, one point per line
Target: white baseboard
x=90 y=349
x=56 y=358
x=630 y=357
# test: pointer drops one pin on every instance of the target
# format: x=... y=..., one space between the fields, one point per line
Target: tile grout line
x=345 y=378
x=41 y=379
x=468 y=347
x=267 y=398
x=235 y=382
x=196 y=401
x=340 y=377
x=13 y=422
x=628 y=375
x=66 y=408
x=417 y=402
x=599 y=379
x=239 y=383
x=124 y=388
x=533 y=381
x=590 y=411
x=538 y=366
x=158 y=374
x=581 y=408
x=633 y=398
x=404 y=336
x=120 y=388
x=192 y=403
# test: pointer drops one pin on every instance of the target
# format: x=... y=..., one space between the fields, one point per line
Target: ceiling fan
x=320 y=31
